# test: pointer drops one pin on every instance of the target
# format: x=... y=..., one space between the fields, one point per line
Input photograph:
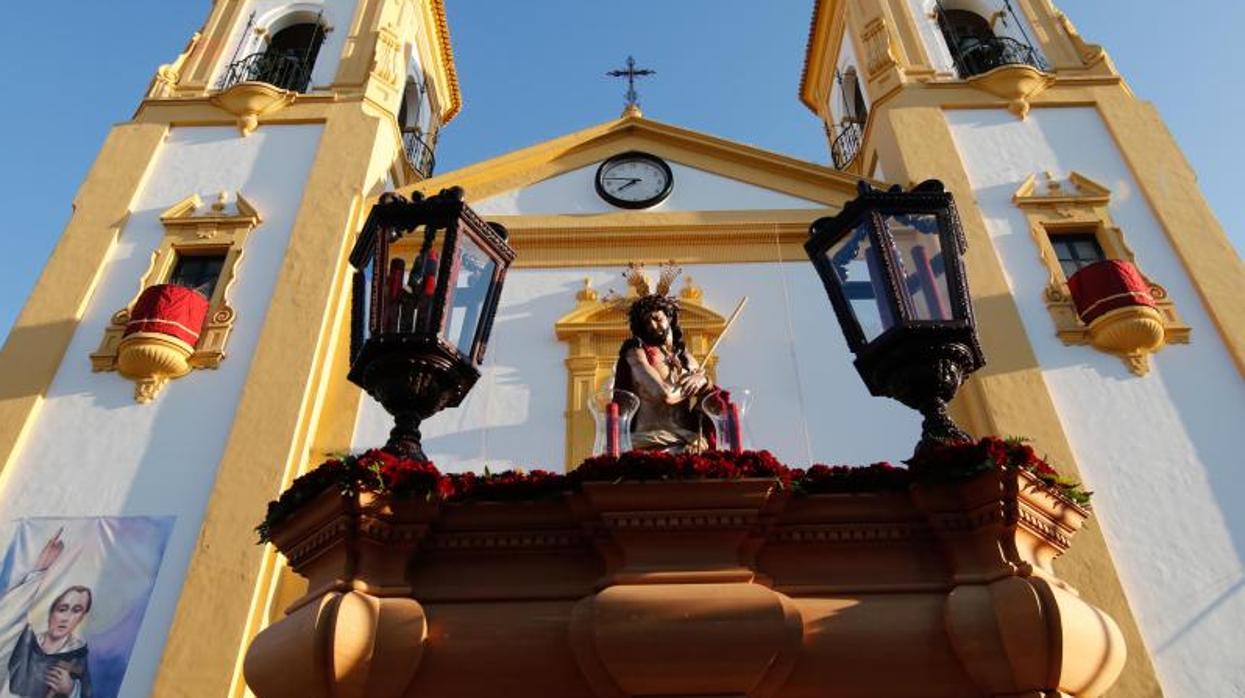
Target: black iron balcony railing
x=289 y=71
x=846 y=145
x=418 y=152
x=975 y=56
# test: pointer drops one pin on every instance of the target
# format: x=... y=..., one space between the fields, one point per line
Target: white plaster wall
x=92 y=450
x=811 y=406
x=931 y=36
x=1161 y=452
x=694 y=190
x=337 y=17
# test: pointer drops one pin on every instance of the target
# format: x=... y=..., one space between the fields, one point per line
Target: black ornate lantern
x=891 y=263
x=428 y=275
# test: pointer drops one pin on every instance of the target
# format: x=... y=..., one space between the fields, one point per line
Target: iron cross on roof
x=631 y=73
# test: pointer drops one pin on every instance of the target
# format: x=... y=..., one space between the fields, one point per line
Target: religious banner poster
x=75 y=591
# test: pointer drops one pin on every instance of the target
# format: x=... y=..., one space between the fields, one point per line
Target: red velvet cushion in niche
x=1107 y=285
x=176 y=311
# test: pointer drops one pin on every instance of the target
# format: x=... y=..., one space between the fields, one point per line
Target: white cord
x=795 y=365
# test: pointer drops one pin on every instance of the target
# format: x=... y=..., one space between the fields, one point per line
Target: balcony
x=846 y=145
x=287 y=71
x=976 y=55
x=418 y=152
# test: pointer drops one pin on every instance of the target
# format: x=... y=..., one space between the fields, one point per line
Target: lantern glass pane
x=470 y=277
x=860 y=274
x=366 y=306
x=921 y=264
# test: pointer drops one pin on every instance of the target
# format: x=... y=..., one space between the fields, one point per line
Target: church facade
x=253 y=160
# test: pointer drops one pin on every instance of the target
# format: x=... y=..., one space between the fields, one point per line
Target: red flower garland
x=964 y=459
x=384 y=473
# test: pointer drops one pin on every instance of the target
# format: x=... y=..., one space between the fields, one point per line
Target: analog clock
x=634 y=180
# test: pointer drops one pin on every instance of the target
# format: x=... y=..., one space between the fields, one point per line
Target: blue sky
x=534 y=70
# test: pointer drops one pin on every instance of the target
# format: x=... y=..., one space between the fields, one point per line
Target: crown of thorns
x=637 y=278
x=642 y=290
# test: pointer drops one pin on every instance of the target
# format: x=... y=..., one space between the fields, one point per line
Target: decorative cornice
x=852 y=532
x=508 y=540
x=312 y=545
x=447 y=55
x=383 y=531
x=514 y=170
x=815 y=52
x=697 y=519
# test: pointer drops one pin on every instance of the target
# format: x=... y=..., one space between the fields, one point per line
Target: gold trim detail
x=699 y=237
x=879 y=47
x=1132 y=333
x=150 y=359
x=167 y=75
x=1089 y=53
x=250 y=100
x=1080 y=204
x=1018 y=84
x=799 y=178
x=187 y=234
x=387 y=61
x=447 y=54
x=593 y=332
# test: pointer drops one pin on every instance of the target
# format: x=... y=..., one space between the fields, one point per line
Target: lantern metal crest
x=891 y=264
x=428 y=276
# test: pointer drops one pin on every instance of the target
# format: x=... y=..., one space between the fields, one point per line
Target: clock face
x=634 y=180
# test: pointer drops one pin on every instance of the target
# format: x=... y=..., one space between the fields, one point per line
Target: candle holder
x=728 y=408
x=612 y=411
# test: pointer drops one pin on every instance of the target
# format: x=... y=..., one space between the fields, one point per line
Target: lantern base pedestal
x=413 y=377
x=924 y=373
x=405 y=440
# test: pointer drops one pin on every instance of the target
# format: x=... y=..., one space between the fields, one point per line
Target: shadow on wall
x=27 y=347
x=1172 y=429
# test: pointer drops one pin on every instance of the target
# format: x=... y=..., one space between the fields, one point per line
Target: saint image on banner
x=74 y=594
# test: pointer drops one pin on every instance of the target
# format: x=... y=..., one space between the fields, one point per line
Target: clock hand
x=629 y=179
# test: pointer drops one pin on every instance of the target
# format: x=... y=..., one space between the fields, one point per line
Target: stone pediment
x=812 y=182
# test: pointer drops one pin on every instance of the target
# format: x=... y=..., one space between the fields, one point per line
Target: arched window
x=287 y=57
x=418 y=118
x=292 y=53
x=973 y=42
x=961 y=26
x=848 y=131
x=855 y=108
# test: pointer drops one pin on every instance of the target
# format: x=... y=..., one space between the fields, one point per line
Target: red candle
x=611 y=430
x=736 y=428
x=393 y=297
x=428 y=288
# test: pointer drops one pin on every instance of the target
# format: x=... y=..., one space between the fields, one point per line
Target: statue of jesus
x=655 y=365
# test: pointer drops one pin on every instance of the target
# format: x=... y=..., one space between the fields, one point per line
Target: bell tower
x=1057 y=167
x=238 y=183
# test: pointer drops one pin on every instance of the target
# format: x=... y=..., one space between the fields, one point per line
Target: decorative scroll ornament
x=191 y=229
x=167 y=75
x=387 y=63
x=879 y=47
x=1089 y=53
x=1079 y=204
